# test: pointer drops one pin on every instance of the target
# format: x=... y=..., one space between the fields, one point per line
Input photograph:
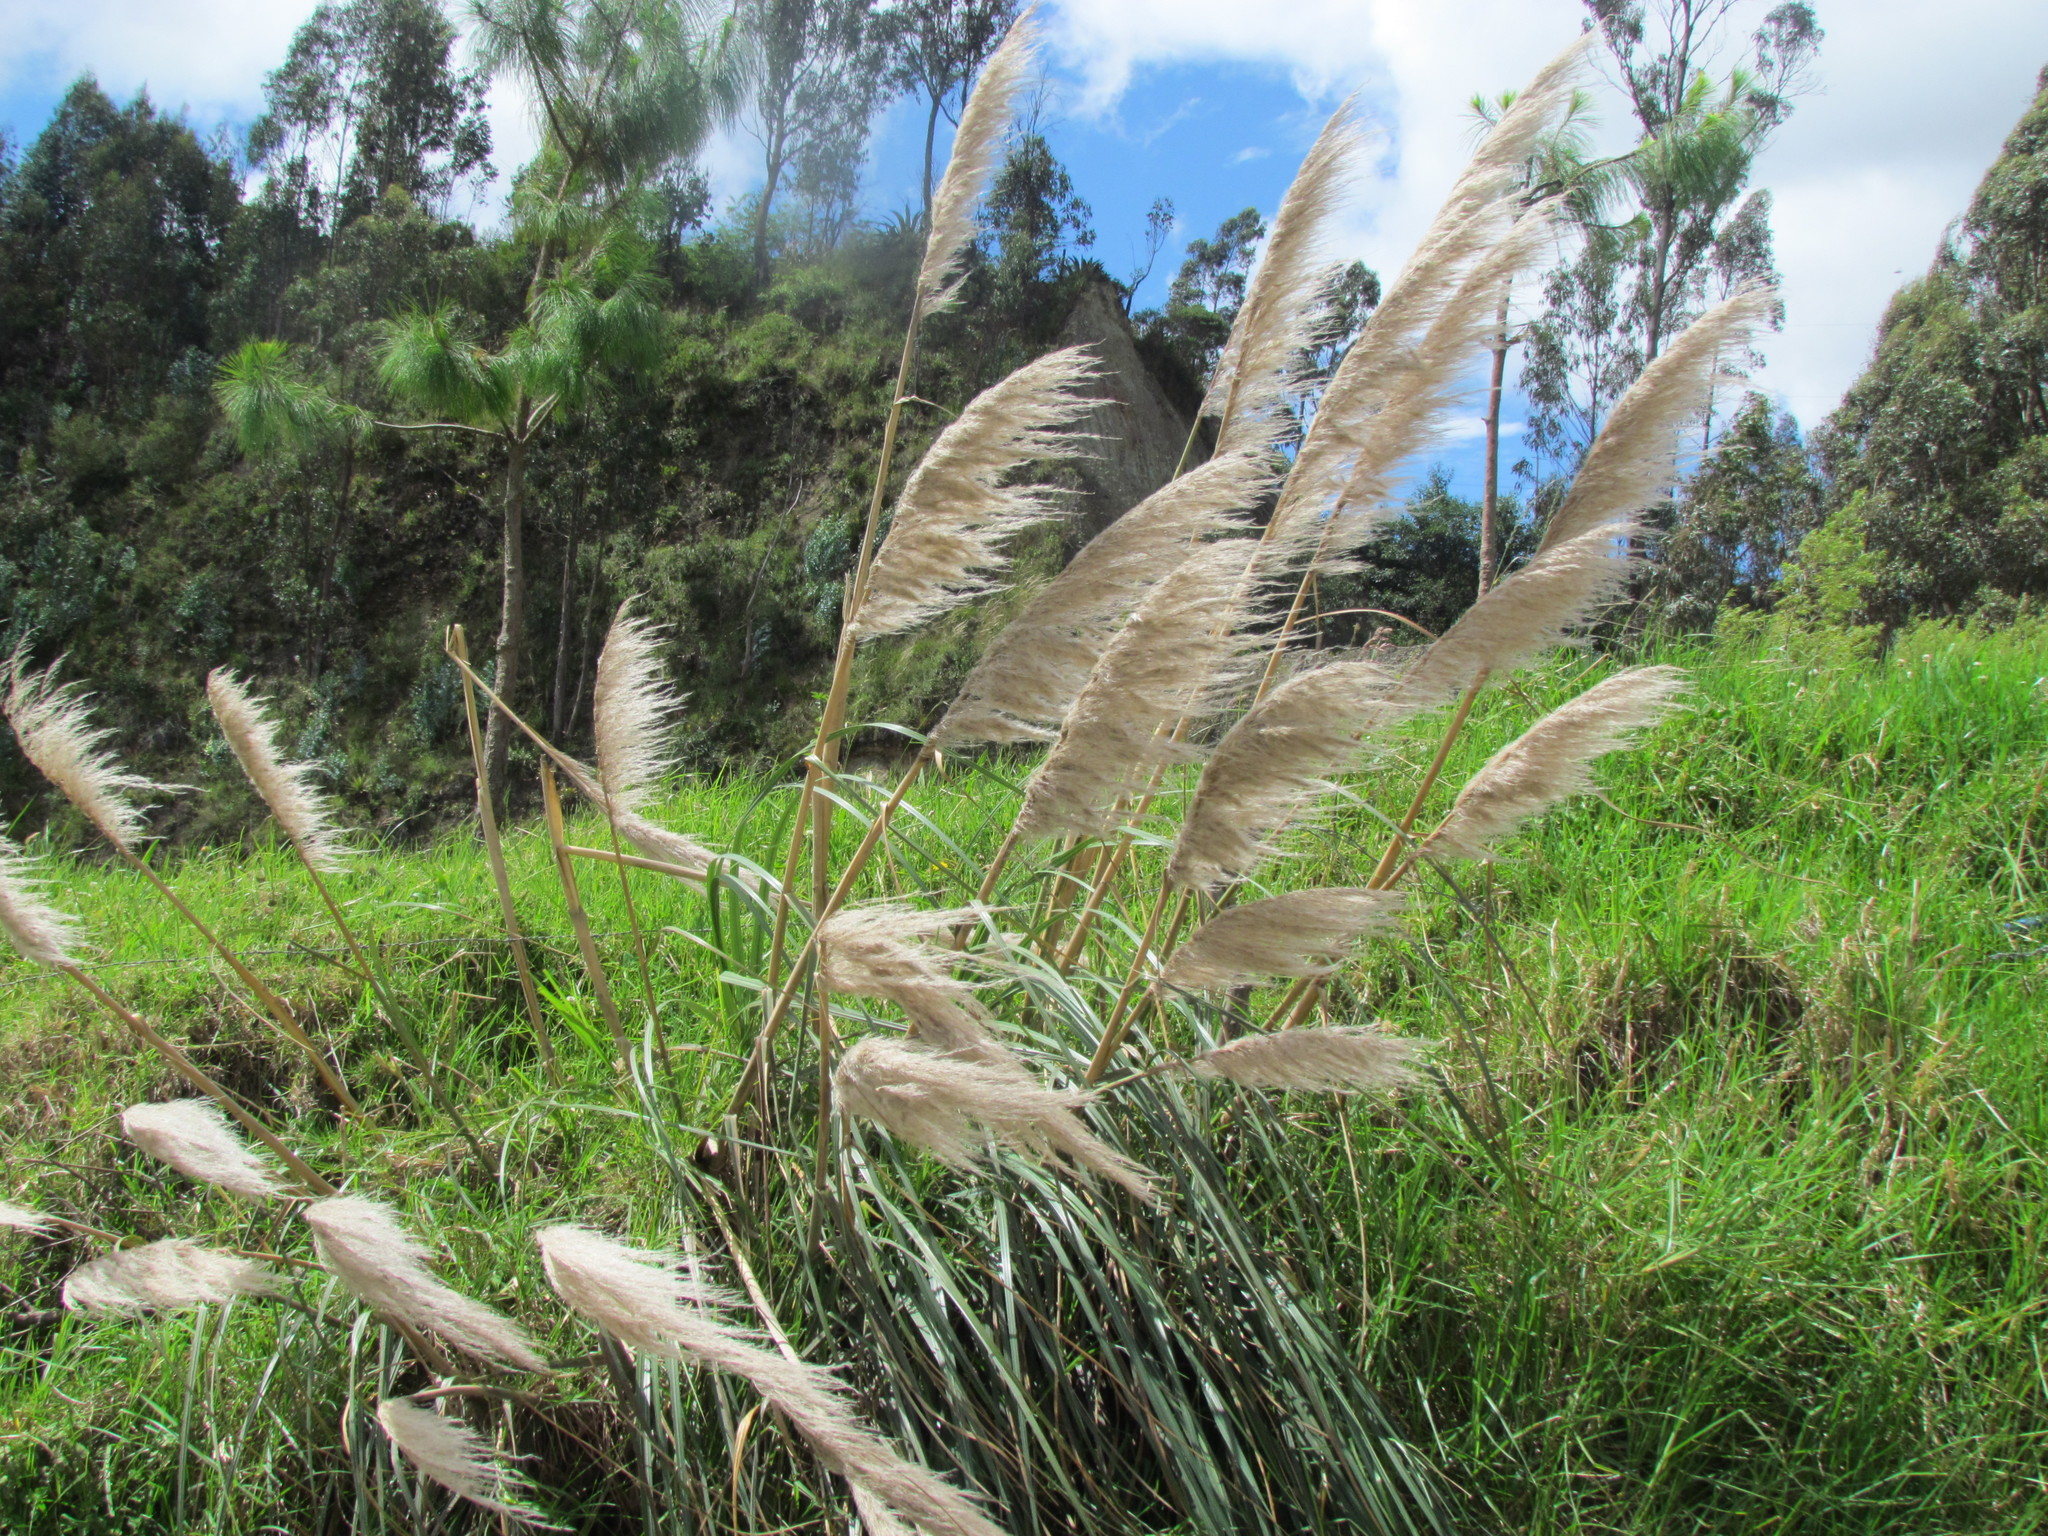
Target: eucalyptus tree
x=937 y=47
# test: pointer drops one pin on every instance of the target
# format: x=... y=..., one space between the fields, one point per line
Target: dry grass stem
x=1340 y=1059
x=1285 y=307
x=1274 y=763
x=1178 y=657
x=37 y=930
x=194 y=1137
x=1634 y=461
x=961 y=507
x=166 y=1276
x=638 y=1297
x=977 y=147
x=1301 y=933
x=954 y=1106
x=290 y=790
x=458 y=1458
x=1552 y=760
x=54 y=726
x=363 y=1245
x=1022 y=689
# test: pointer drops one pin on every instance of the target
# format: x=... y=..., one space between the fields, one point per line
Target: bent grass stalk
x=579 y=920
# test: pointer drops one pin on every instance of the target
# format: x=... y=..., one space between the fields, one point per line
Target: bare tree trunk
x=931 y=133
x=565 y=600
x=512 y=615
x=773 y=178
x=1489 y=503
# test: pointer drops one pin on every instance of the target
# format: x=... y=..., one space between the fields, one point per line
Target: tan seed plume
x=458 y=1458
x=1181 y=654
x=654 y=841
x=1301 y=933
x=637 y=1296
x=37 y=930
x=54 y=725
x=362 y=1244
x=290 y=790
x=1634 y=460
x=1286 y=304
x=632 y=709
x=1552 y=760
x=1341 y=1059
x=164 y=1277
x=884 y=950
x=946 y=543
x=977 y=146
x=954 y=1106
x=1022 y=689
x=21 y=1219
x=1275 y=763
x=194 y=1137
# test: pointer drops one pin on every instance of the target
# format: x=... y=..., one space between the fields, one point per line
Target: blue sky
x=1211 y=102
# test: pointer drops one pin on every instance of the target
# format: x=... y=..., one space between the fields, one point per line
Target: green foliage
x=1824 y=597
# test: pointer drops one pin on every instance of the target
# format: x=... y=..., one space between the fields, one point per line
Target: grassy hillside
x=1726 y=1213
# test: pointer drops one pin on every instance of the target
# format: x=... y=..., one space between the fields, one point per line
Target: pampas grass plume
x=21 y=1219
x=977 y=145
x=1022 y=689
x=637 y=1296
x=1552 y=760
x=1341 y=1059
x=1301 y=933
x=457 y=1457
x=165 y=1276
x=290 y=790
x=960 y=509
x=363 y=1245
x=37 y=930
x=55 y=728
x=632 y=707
x=194 y=1137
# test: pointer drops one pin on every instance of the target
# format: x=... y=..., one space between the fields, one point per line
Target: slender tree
x=937 y=47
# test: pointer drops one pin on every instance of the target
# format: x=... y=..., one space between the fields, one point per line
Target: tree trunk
x=335 y=537
x=565 y=600
x=1489 y=504
x=768 y=185
x=931 y=133
x=512 y=616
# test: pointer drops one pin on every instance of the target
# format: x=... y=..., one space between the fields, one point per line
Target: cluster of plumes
x=1179 y=657
x=290 y=790
x=194 y=1137
x=977 y=147
x=632 y=712
x=1340 y=1059
x=1301 y=933
x=1285 y=307
x=37 y=930
x=1551 y=761
x=457 y=1457
x=956 y=1088
x=1027 y=681
x=640 y=1298
x=1274 y=763
x=165 y=1276
x=53 y=722
x=362 y=1243
x=963 y=506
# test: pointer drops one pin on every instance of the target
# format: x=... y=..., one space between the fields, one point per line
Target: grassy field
x=1726 y=1212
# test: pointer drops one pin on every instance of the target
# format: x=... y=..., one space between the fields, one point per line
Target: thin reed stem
x=494 y=851
x=277 y=1008
x=1113 y=1033
x=579 y=920
x=633 y=861
x=184 y=1066
x=1383 y=873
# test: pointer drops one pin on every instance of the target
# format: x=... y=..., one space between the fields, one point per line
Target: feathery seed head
x=953 y=1105
x=655 y=842
x=1553 y=759
x=290 y=790
x=194 y=1137
x=1343 y=1059
x=21 y=1219
x=363 y=1245
x=1301 y=933
x=37 y=930
x=1181 y=654
x=977 y=145
x=54 y=725
x=165 y=1276
x=631 y=712
x=458 y=1458
x=637 y=1296
x=1025 y=684
x=958 y=511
